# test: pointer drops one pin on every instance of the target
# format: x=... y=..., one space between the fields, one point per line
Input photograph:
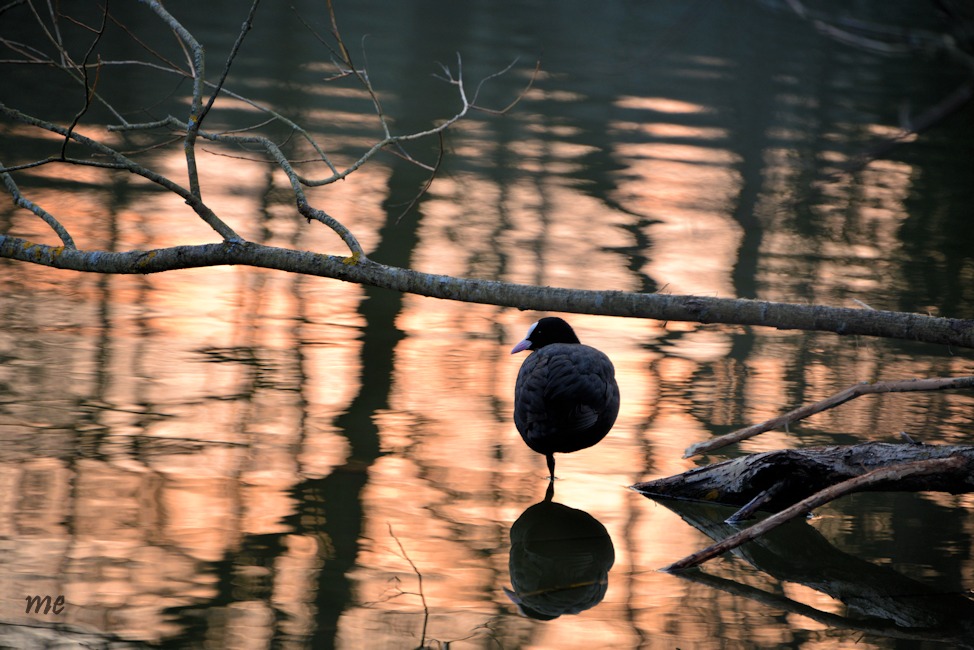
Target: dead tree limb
x=894 y=475
x=902 y=386
x=781 y=478
x=359 y=269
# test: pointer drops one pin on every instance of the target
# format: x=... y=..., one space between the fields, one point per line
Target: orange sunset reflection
x=271 y=457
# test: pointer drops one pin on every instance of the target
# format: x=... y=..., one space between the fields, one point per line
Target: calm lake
x=238 y=458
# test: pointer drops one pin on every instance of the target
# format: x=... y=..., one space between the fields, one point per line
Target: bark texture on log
x=778 y=479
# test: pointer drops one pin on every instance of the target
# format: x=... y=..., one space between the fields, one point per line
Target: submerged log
x=772 y=481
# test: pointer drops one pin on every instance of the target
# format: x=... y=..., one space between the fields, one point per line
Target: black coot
x=566 y=397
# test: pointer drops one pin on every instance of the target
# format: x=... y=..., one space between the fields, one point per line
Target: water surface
x=239 y=458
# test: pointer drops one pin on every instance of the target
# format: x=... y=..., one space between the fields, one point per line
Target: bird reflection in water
x=560 y=560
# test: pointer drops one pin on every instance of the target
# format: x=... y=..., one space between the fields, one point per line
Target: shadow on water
x=560 y=560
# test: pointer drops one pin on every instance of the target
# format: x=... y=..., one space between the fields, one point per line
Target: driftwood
x=879 y=600
x=903 y=386
x=883 y=477
x=779 y=479
x=792 y=482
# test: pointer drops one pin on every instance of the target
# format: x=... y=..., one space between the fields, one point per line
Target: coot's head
x=545 y=332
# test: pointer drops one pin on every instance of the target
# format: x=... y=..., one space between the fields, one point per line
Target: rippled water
x=239 y=458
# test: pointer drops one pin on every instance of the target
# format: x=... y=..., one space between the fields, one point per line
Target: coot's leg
x=551 y=466
x=549 y=494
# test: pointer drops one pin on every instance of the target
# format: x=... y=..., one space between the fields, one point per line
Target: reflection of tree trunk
x=782 y=478
x=340 y=494
x=889 y=603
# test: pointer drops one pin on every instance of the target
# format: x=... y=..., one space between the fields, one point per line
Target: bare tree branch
x=191 y=127
x=186 y=39
x=89 y=88
x=356 y=267
x=244 y=28
x=858 y=390
x=48 y=218
x=118 y=161
x=359 y=269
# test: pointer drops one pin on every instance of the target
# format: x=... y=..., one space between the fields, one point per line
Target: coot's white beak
x=523 y=345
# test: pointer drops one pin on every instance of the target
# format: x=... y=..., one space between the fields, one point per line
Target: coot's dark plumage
x=566 y=397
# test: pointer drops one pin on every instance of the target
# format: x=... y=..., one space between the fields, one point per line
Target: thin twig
x=66 y=63
x=958 y=98
x=521 y=95
x=244 y=28
x=419 y=580
x=118 y=161
x=427 y=184
x=54 y=38
x=89 y=88
x=170 y=64
x=362 y=75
